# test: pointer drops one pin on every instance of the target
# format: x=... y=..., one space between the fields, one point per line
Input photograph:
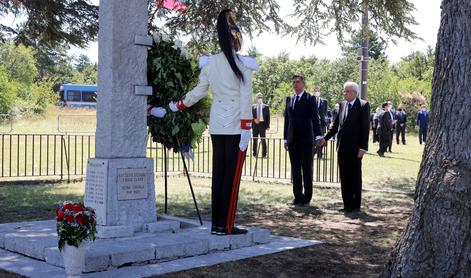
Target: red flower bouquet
x=75 y=223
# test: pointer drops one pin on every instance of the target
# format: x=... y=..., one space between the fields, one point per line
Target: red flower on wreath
x=78 y=208
x=69 y=218
x=68 y=206
x=80 y=219
x=60 y=215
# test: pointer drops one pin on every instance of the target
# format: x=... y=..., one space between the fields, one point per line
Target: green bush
x=7 y=95
x=411 y=104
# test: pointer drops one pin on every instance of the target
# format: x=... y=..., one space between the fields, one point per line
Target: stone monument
x=120 y=180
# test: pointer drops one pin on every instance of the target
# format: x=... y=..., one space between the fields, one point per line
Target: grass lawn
x=356 y=245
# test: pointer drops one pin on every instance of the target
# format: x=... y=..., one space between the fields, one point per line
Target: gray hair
x=352 y=85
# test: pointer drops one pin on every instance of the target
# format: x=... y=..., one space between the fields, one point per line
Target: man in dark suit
x=301 y=129
x=260 y=124
x=384 y=129
x=401 y=122
x=422 y=122
x=352 y=127
x=321 y=104
x=392 y=114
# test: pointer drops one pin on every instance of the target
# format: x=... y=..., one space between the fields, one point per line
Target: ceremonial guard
x=230 y=77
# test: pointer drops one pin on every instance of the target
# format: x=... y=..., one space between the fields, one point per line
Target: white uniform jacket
x=232 y=98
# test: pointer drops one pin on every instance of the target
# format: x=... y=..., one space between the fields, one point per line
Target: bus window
x=73 y=95
x=88 y=96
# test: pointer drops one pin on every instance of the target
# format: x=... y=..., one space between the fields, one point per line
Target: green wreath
x=172 y=73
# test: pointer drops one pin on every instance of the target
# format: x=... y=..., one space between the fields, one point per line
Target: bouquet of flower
x=75 y=223
x=172 y=73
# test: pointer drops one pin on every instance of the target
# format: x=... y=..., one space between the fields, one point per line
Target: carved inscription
x=132 y=183
x=95 y=189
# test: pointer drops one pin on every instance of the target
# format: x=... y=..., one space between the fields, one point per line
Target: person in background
x=301 y=130
x=384 y=129
x=261 y=124
x=401 y=117
x=422 y=122
x=374 y=124
x=321 y=104
x=392 y=114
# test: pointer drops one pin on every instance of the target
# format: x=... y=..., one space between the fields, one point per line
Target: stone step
x=166 y=242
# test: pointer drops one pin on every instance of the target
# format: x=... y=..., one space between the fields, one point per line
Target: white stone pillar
x=120 y=180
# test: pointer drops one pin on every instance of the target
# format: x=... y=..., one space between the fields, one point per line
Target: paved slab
x=35 y=268
x=168 y=240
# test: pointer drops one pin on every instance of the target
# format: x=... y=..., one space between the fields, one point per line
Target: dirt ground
x=356 y=245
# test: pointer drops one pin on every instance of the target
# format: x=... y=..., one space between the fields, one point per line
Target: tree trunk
x=436 y=242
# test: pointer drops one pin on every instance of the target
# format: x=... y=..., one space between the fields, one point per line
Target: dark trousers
x=300 y=155
x=375 y=136
x=391 y=134
x=318 y=149
x=225 y=150
x=259 y=130
x=422 y=134
x=384 y=141
x=350 y=179
x=402 y=131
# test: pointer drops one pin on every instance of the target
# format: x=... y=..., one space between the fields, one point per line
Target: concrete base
x=165 y=240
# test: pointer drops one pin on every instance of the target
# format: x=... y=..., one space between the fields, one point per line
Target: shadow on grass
x=356 y=245
x=37 y=182
x=31 y=202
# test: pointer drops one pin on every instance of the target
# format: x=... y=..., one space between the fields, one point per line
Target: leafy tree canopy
x=311 y=21
x=50 y=23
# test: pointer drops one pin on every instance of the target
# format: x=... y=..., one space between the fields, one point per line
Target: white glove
x=173 y=106
x=158 y=112
x=189 y=155
x=245 y=135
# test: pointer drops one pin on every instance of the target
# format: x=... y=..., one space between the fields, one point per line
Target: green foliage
x=310 y=22
x=50 y=23
x=172 y=74
x=7 y=95
x=88 y=75
x=386 y=81
x=376 y=46
x=21 y=92
x=19 y=62
x=411 y=103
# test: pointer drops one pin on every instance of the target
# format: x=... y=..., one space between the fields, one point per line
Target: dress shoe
x=220 y=231
x=238 y=231
x=296 y=202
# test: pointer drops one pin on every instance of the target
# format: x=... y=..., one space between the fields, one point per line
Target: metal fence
x=66 y=155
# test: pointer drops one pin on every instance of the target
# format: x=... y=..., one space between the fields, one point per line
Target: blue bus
x=77 y=95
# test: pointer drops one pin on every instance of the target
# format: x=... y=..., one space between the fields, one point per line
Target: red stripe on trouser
x=235 y=192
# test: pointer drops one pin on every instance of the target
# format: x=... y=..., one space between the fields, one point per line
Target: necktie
x=295 y=101
x=347 y=111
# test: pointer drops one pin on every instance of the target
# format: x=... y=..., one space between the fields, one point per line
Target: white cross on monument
x=120 y=180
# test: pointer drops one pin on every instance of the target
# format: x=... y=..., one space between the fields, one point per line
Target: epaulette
x=203 y=60
x=249 y=62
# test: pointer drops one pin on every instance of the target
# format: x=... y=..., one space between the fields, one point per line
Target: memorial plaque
x=132 y=183
x=95 y=190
